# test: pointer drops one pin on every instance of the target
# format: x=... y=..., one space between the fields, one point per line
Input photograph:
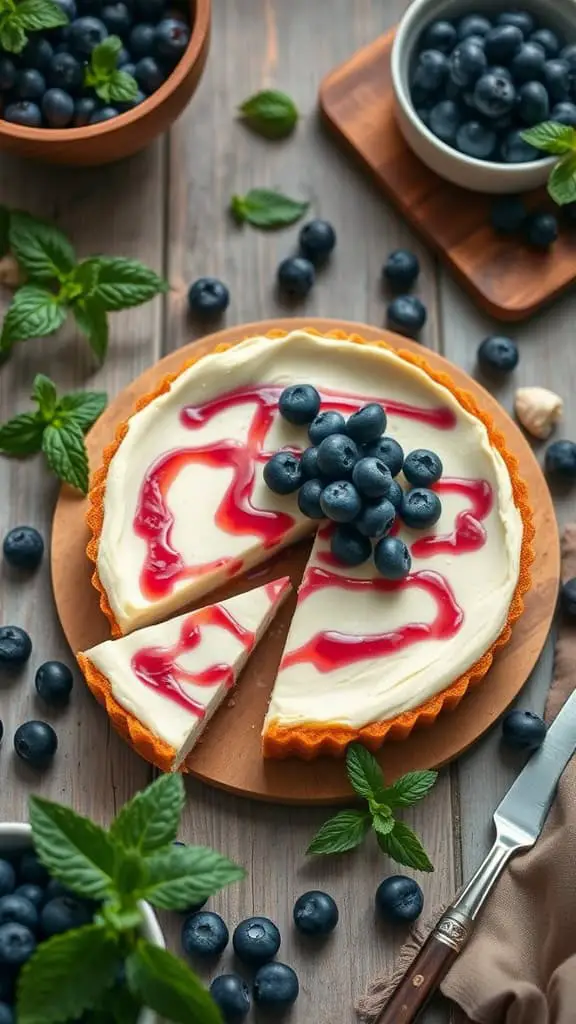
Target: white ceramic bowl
x=477 y=175
x=16 y=836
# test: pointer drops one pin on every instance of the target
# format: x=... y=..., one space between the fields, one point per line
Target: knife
x=518 y=820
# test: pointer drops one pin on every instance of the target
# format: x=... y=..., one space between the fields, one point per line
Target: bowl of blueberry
x=469 y=80
x=102 y=80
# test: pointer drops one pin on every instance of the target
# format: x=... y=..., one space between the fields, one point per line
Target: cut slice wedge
x=169 y=679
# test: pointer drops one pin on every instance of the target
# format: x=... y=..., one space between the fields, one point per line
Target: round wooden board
x=229 y=755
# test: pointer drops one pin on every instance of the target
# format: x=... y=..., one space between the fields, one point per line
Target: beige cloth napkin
x=520 y=964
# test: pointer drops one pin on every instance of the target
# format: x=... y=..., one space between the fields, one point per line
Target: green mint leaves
x=17 y=19
x=102 y=73
x=58 y=284
x=348 y=829
x=136 y=859
x=57 y=429
x=559 y=140
x=264 y=208
x=270 y=113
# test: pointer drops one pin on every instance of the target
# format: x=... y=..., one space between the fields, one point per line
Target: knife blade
x=519 y=820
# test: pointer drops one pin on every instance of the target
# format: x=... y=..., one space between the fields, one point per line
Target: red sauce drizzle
x=468 y=533
x=158 y=669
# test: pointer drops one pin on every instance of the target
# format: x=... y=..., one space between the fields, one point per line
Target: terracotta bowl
x=126 y=134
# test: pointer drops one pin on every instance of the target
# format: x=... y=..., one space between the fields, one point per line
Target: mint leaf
x=122 y=87
x=75 y=850
x=13 y=38
x=182 y=875
x=270 y=113
x=104 y=57
x=34 y=15
x=90 y=316
x=551 y=137
x=44 y=393
x=43 y=250
x=164 y=984
x=83 y=407
x=404 y=846
x=4 y=229
x=131 y=872
x=66 y=454
x=364 y=772
x=410 y=788
x=343 y=832
x=22 y=435
x=123 y=283
x=67 y=975
x=33 y=313
x=382 y=823
x=562 y=181
x=118 y=1006
x=266 y=209
x=150 y=819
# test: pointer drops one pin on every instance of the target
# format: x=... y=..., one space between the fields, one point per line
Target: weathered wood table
x=168 y=207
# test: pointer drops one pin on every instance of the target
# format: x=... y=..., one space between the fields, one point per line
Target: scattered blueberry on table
x=567 y=603
x=399 y=899
x=497 y=355
x=317 y=239
x=508 y=214
x=407 y=315
x=296 y=276
x=23 y=547
x=54 y=682
x=523 y=730
x=208 y=297
x=232 y=997
x=560 y=460
x=256 y=940
x=276 y=987
x=541 y=230
x=204 y=934
x=15 y=647
x=401 y=269
x=315 y=913
x=36 y=743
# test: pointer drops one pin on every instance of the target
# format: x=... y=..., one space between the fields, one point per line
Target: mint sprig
x=270 y=113
x=57 y=429
x=58 y=284
x=76 y=974
x=558 y=140
x=348 y=829
x=264 y=208
x=103 y=75
x=17 y=19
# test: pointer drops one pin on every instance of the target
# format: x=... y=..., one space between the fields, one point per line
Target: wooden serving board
x=507 y=278
x=229 y=754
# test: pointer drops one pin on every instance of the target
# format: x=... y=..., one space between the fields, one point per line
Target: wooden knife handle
x=423 y=977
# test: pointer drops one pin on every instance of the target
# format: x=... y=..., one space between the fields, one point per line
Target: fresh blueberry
x=104 y=114
x=376 y=518
x=55 y=889
x=69 y=9
x=523 y=730
x=309 y=463
x=395 y=494
x=7 y=73
x=557 y=80
x=35 y=743
x=372 y=478
x=256 y=940
x=440 y=35
x=31 y=871
x=84 y=34
x=567 y=604
x=399 y=899
x=516 y=151
x=317 y=240
x=309 y=499
x=23 y=547
x=541 y=230
x=6 y=1014
x=19 y=910
x=528 y=64
x=30 y=84
x=367 y=424
x=568 y=54
x=296 y=276
x=324 y=424
x=84 y=109
x=207 y=296
x=422 y=468
x=7 y=878
x=521 y=19
x=37 y=53
x=129 y=68
x=337 y=456
x=141 y=41
x=533 y=103
x=282 y=473
x=315 y=913
x=402 y=267
x=15 y=647
x=406 y=314
x=24 y=113
x=392 y=558
x=444 y=121
x=149 y=74
x=17 y=945
x=420 y=508
x=117 y=19
x=560 y=460
x=508 y=214
x=340 y=501
x=275 y=987
x=150 y=10
x=232 y=997
x=33 y=893
x=65 y=72
x=548 y=40
x=494 y=95
x=473 y=25
x=349 y=546
x=430 y=72
x=58 y=108
x=299 y=404
x=476 y=140
x=122 y=58
x=467 y=63
x=497 y=354
x=564 y=113
x=423 y=114
x=502 y=43
x=54 y=682
x=171 y=39
x=64 y=913
x=389 y=452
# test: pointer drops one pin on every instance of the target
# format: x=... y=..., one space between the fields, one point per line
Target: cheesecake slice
x=172 y=677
